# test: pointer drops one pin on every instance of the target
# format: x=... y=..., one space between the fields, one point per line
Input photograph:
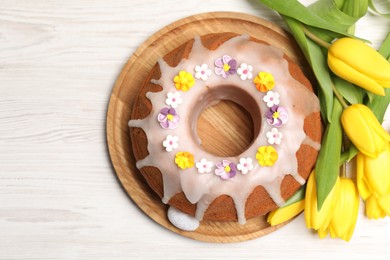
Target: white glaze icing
x=204 y=188
x=182 y=220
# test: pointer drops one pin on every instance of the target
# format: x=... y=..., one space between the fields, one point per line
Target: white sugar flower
x=204 y=166
x=173 y=99
x=245 y=71
x=274 y=136
x=202 y=72
x=245 y=165
x=171 y=142
x=272 y=98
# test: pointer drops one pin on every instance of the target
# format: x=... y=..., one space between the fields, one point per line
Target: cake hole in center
x=225 y=129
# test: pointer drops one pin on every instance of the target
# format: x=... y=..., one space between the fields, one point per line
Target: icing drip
x=182 y=220
x=202 y=189
x=312 y=143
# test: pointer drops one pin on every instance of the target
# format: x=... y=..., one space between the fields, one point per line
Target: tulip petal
x=373 y=209
x=373 y=122
x=363 y=187
x=371 y=137
x=318 y=219
x=377 y=172
x=345 y=211
x=351 y=119
x=348 y=73
x=362 y=59
x=384 y=203
x=285 y=213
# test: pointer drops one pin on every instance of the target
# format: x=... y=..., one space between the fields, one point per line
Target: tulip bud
x=364 y=130
x=373 y=174
x=283 y=214
x=318 y=219
x=378 y=206
x=358 y=63
x=373 y=179
x=345 y=211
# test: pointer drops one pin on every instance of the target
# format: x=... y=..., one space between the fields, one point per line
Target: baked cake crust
x=222 y=208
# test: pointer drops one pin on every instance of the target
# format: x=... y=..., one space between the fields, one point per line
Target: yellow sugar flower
x=264 y=81
x=184 y=160
x=184 y=81
x=266 y=155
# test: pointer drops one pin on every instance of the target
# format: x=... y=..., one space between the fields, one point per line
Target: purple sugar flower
x=168 y=118
x=225 y=169
x=225 y=66
x=276 y=116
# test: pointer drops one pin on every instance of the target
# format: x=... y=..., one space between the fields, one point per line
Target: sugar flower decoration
x=274 y=136
x=204 y=166
x=266 y=156
x=264 y=81
x=184 y=81
x=225 y=66
x=271 y=98
x=184 y=160
x=276 y=116
x=245 y=71
x=245 y=165
x=168 y=118
x=171 y=142
x=173 y=99
x=225 y=169
x=202 y=72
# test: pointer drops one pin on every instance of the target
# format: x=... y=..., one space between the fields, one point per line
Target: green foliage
x=314 y=28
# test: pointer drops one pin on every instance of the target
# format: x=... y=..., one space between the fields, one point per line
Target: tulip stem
x=315 y=38
x=343 y=170
x=339 y=96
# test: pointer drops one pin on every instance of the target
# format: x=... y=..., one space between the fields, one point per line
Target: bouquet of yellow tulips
x=353 y=90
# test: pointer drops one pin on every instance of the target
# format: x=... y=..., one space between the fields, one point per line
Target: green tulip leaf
x=350 y=92
x=330 y=12
x=297 y=196
x=379 y=104
x=348 y=154
x=355 y=9
x=372 y=6
x=384 y=50
x=297 y=11
x=328 y=162
x=325 y=35
x=317 y=61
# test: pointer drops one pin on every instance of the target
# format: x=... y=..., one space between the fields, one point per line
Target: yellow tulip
x=378 y=206
x=345 y=212
x=373 y=174
x=364 y=130
x=318 y=219
x=283 y=214
x=373 y=179
x=358 y=63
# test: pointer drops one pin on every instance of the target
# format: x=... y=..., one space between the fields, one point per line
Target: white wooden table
x=59 y=196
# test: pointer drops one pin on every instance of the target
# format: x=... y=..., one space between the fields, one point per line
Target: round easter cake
x=266 y=83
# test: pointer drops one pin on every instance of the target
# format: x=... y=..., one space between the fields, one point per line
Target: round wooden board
x=127 y=86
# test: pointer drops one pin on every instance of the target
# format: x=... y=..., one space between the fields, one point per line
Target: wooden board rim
x=122 y=167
